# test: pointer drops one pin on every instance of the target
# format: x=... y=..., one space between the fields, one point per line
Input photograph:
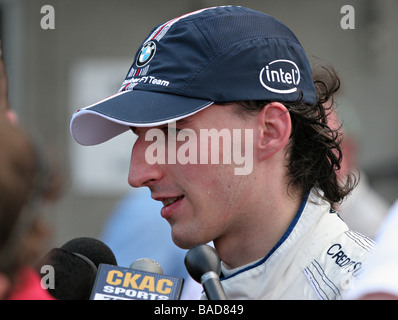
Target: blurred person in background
x=364 y=209
x=22 y=232
x=379 y=280
x=4 y=105
x=26 y=184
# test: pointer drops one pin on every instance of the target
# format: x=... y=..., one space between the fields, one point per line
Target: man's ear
x=274 y=124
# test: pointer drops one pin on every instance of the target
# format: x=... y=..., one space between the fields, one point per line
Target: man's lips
x=170 y=204
x=171 y=200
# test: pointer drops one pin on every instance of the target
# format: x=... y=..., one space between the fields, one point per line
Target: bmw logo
x=146 y=54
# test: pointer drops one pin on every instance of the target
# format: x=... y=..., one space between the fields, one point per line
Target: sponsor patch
x=280 y=76
x=146 y=54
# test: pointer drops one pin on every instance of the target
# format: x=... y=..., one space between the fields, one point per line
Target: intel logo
x=280 y=74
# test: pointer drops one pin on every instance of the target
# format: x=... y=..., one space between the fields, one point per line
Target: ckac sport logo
x=146 y=54
x=280 y=76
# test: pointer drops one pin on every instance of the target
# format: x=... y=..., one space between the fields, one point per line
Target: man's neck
x=258 y=232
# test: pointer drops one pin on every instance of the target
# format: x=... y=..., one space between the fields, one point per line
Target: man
x=239 y=75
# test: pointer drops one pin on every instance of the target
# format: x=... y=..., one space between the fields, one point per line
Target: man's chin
x=186 y=243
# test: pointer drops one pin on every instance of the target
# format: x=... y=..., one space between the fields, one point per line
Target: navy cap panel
x=224 y=31
x=177 y=59
x=273 y=73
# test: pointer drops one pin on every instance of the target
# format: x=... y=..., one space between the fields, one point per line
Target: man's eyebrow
x=134 y=129
x=184 y=122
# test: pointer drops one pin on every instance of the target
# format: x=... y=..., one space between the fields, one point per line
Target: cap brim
x=110 y=117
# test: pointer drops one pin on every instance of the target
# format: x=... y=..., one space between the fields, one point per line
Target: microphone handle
x=212 y=286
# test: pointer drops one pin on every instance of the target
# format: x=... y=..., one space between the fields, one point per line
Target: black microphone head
x=200 y=260
x=74 y=274
x=94 y=249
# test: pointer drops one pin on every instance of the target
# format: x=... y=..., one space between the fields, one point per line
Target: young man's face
x=202 y=202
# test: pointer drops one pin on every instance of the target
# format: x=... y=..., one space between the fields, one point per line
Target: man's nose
x=141 y=173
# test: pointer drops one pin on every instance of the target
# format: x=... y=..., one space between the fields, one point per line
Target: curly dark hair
x=314 y=153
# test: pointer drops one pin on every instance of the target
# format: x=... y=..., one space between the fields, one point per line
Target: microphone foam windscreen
x=94 y=249
x=74 y=274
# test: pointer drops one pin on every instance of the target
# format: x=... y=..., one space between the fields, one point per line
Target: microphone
x=148 y=265
x=75 y=267
x=94 y=249
x=203 y=265
x=143 y=280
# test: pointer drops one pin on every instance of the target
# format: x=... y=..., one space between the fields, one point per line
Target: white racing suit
x=318 y=257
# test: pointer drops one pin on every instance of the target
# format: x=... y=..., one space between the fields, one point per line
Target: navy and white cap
x=213 y=55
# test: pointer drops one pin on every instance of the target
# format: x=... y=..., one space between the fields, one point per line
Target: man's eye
x=170 y=130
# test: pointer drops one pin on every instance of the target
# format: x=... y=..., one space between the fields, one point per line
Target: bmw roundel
x=146 y=54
